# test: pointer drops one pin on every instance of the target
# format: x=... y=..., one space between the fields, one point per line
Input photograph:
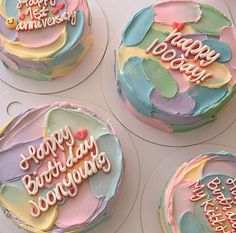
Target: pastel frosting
x=161 y=96
x=96 y=194
x=199 y=190
x=46 y=53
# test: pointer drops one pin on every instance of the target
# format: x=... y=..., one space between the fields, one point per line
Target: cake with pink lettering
x=44 y=39
x=200 y=196
x=61 y=168
x=176 y=65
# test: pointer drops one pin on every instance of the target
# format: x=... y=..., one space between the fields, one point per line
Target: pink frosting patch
x=79 y=209
x=155 y=123
x=178 y=77
x=75 y=4
x=233 y=73
x=228 y=35
x=170 y=12
x=39 y=38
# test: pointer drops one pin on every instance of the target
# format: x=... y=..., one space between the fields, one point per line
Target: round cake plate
x=14 y=103
x=84 y=69
x=146 y=132
x=159 y=178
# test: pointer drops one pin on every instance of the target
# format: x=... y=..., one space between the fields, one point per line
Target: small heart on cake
x=22 y=16
x=178 y=26
x=82 y=134
x=55 y=11
x=61 y=5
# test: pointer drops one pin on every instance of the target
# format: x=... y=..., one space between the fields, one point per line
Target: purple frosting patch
x=182 y=104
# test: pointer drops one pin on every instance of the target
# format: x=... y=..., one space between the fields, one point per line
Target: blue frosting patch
x=223 y=178
x=105 y=185
x=68 y=56
x=10 y=7
x=74 y=33
x=205 y=98
x=189 y=224
x=136 y=87
x=220 y=47
x=137 y=28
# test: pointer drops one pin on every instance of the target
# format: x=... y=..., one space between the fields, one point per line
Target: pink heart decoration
x=82 y=134
x=22 y=16
x=61 y=5
x=178 y=26
x=55 y=11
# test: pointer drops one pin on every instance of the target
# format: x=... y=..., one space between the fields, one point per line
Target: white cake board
x=16 y=102
x=146 y=132
x=159 y=178
x=84 y=69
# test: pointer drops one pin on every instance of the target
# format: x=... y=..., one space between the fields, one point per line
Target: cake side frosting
x=175 y=65
x=65 y=164
x=49 y=38
x=200 y=197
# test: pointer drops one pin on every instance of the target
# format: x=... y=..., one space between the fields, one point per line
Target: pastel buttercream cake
x=176 y=65
x=44 y=39
x=200 y=197
x=61 y=168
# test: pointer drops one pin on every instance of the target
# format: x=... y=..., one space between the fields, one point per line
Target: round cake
x=44 y=39
x=176 y=65
x=61 y=168
x=201 y=196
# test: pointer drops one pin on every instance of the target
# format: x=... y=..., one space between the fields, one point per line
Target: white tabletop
x=118 y=12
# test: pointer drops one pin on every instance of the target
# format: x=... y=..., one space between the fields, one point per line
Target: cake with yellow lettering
x=44 y=39
x=200 y=197
x=61 y=168
x=176 y=65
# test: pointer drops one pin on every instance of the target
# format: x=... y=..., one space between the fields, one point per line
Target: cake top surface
x=178 y=58
x=40 y=29
x=201 y=195
x=64 y=163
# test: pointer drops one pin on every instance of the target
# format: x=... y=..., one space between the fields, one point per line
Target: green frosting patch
x=160 y=78
x=211 y=21
x=189 y=224
x=150 y=37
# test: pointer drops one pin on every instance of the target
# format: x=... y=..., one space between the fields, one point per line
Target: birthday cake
x=61 y=168
x=176 y=65
x=201 y=196
x=44 y=39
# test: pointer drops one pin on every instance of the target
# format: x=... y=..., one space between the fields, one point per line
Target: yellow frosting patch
x=127 y=52
x=195 y=171
x=2 y=10
x=18 y=205
x=166 y=28
x=221 y=75
x=66 y=67
x=21 y=51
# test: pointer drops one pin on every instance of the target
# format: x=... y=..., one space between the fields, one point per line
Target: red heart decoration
x=22 y=16
x=81 y=134
x=61 y=5
x=174 y=25
x=178 y=26
x=55 y=11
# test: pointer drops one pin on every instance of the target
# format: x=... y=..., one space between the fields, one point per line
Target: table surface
x=117 y=16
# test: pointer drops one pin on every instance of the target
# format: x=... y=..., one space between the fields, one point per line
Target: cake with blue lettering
x=44 y=39
x=61 y=168
x=176 y=65
x=201 y=196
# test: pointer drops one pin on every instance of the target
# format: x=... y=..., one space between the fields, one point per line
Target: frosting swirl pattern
x=175 y=65
x=200 y=197
x=49 y=39
x=66 y=166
